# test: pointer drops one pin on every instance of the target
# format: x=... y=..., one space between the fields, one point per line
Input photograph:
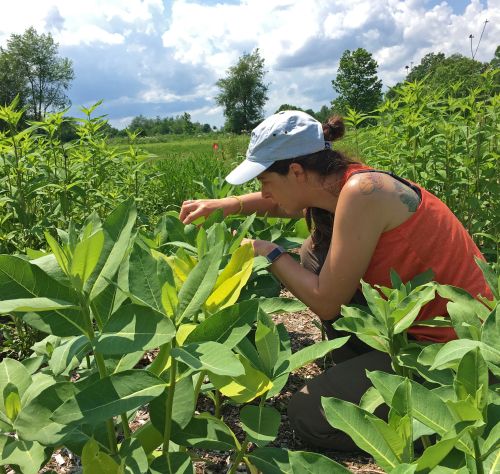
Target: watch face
x=274 y=254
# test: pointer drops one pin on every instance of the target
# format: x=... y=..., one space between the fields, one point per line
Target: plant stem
x=170 y=403
x=126 y=429
x=217 y=403
x=110 y=426
x=239 y=457
x=477 y=457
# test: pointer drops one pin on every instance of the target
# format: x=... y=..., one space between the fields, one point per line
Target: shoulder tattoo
x=370 y=182
x=407 y=196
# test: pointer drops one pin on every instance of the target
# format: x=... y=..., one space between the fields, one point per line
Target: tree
x=357 y=83
x=32 y=69
x=243 y=93
x=442 y=72
x=288 y=107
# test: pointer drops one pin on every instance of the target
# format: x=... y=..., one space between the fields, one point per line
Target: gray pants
x=346 y=380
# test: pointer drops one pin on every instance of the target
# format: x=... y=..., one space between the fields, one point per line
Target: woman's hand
x=191 y=210
x=260 y=247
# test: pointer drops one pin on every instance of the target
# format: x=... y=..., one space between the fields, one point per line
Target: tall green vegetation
x=357 y=84
x=243 y=93
x=32 y=69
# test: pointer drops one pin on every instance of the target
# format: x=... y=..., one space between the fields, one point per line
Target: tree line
x=32 y=71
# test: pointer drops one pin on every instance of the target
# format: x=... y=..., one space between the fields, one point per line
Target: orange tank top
x=432 y=238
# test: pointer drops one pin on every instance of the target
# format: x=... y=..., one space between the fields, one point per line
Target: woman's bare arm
x=249 y=204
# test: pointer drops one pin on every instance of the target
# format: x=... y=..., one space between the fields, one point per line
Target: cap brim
x=246 y=171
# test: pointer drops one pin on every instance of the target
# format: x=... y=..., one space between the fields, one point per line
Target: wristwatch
x=274 y=254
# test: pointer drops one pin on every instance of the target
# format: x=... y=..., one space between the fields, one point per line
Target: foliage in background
x=45 y=182
x=32 y=69
x=243 y=93
x=357 y=84
x=442 y=72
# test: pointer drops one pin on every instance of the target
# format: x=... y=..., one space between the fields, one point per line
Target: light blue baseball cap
x=287 y=134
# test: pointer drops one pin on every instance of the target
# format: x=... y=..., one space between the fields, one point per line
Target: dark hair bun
x=334 y=128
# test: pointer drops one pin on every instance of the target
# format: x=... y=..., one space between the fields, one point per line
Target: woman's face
x=282 y=189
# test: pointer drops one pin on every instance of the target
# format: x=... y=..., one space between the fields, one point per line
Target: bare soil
x=303 y=332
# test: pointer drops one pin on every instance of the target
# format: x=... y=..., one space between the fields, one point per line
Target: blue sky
x=163 y=58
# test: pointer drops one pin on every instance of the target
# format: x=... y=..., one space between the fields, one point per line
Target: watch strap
x=274 y=254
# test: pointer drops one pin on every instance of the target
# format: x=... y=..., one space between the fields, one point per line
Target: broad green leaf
x=427 y=406
x=133 y=456
x=112 y=296
x=241 y=233
x=172 y=463
x=85 y=257
x=183 y=405
x=490 y=277
x=360 y=322
x=267 y=341
x=243 y=388
x=354 y=421
x=465 y=410
x=59 y=253
x=232 y=279
x=201 y=242
x=461 y=297
x=378 y=306
x=492 y=442
x=492 y=463
x=472 y=379
x=117 y=229
x=312 y=352
x=453 y=351
x=125 y=362
x=281 y=305
x=391 y=436
x=134 y=328
x=20 y=279
x=94 y=460
x=144 y=283
x=260 y=423
x=282 y=461
x=13 y=373
x=199 y=284
x=25 y=305
x=404 y=469
x=110 y=396
x=210 y=356
x=434 y=454
x=228 y=326
x=34 y=422
x=29 y=456
x=410 y=307
x=68 y=355
x=206 y=432
x=410 y=357
x=149 y=437
x=12 y=401
x=490 y=333
x=39 y=382
x=465 y=322
x=370 y=400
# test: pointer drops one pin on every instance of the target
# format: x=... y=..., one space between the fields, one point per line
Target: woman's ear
x=297 y=171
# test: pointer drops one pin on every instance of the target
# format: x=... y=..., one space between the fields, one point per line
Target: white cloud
x=159 y=56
